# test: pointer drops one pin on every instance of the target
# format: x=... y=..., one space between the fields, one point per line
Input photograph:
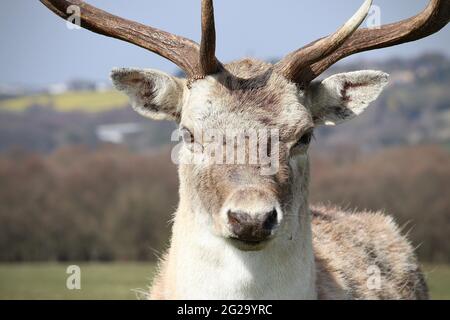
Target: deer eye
x=186 y=135
x=305 y=139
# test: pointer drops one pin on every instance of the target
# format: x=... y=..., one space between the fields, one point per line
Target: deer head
x=234 y=200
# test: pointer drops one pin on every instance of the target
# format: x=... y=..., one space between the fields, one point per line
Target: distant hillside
x=413 y=109
x=86 y=101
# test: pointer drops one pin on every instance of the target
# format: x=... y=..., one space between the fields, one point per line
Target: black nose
x=252 y=228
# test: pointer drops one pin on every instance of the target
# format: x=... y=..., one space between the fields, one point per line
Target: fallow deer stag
x=239 y=234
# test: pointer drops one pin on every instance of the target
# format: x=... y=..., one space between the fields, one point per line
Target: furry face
x=236 y=200
x=244 y=204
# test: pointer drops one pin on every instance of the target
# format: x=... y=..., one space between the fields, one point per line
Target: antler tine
x=183 y=52
x=435 y=17
x=292 y=65
x=431 y=20
x=208 y=61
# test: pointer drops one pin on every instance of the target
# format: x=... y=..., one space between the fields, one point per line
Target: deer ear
x=344 y=96
x=153 y=94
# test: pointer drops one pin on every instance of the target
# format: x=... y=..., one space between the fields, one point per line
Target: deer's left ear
x=153 y=94
x=344 y=96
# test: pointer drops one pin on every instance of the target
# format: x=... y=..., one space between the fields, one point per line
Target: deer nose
x=252 y=228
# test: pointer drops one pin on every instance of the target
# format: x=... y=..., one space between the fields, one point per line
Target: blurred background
x=84 y=180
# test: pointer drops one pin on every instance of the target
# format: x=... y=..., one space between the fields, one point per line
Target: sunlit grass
x=87 y=101
x=438 y=280
x=98 y=281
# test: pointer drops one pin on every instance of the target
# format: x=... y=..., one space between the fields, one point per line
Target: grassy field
x=98 y=281
x=438 y=279
x=87 y=101
x=122 y=281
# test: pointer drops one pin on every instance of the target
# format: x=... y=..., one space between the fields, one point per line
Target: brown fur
x=346 y=244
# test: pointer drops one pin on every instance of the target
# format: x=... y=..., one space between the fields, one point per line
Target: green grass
x=98 y=281
x=438 y=279
x=88 y=101
x=122 y=280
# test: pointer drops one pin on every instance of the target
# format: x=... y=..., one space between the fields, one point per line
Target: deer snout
x=252 y=228
x=250 y=217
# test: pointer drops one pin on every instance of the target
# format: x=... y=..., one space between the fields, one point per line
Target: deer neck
x=206 y=266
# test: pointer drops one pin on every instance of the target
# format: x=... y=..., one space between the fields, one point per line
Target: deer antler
x=208 y=59
x=197 y=61
x=295 y=62
x=305 y=64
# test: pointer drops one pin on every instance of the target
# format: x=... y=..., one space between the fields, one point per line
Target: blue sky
x=37 y=48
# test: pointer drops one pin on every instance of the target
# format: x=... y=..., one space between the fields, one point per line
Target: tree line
x=104 y=204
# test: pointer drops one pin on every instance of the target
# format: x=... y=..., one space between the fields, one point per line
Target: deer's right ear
x=153 y=94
